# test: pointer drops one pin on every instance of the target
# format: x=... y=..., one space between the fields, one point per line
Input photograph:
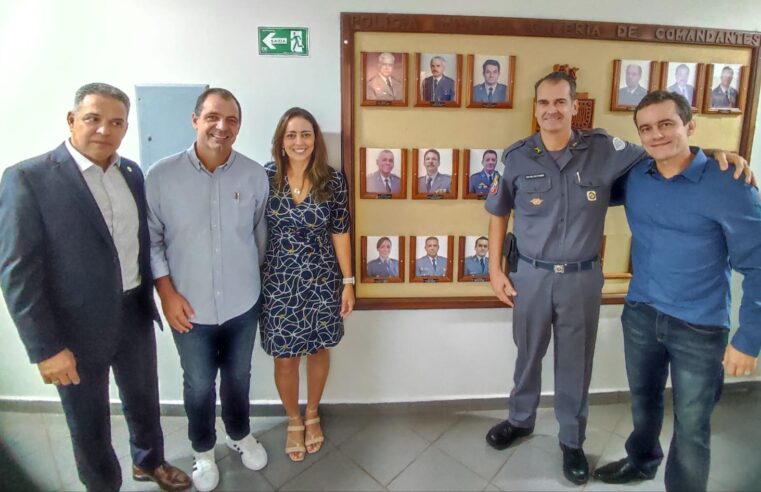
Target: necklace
x=297 y=189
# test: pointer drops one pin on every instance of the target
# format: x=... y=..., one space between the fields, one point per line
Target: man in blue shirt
x=691 y=224
x=208 y=235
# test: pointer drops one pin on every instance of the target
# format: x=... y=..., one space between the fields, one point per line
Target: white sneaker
x=205 y=471
x=252 y=453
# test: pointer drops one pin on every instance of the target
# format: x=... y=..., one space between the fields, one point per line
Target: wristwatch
x=348 y=280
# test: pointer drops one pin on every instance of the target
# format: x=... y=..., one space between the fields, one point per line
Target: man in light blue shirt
x=208 y=238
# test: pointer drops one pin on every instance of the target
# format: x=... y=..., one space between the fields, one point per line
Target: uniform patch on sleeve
x=618 y=144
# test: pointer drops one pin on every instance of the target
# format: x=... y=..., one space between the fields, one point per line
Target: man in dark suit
x=481 y=181
x=438 y=87
x=724 y=95
x=632 y=92
x=490 y=90
x=76 y=276
x=682 y=85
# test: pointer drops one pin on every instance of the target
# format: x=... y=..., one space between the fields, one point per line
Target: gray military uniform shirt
x=560 y=206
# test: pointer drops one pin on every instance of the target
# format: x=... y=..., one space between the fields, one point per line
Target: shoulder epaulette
x=515 y=146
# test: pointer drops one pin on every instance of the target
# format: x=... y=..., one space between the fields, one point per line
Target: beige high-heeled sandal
x=292 y=443
x=312 y=438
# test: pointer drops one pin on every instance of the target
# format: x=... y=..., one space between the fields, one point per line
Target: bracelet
x=348 y=281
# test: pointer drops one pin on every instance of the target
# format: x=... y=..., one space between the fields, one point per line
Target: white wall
x=49 y=48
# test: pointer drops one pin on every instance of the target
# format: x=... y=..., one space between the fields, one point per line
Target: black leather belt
x=131 y=292
x=576 y=266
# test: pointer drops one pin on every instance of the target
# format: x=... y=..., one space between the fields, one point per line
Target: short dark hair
x=482 y=238
x=490 y=151
x=100 y=89
x=491 y=62
x=683 y=107
x=223 y=93
x=556 y=77
x=727 y=68
x=432 y=151
x=381 y=241
x=431 y=237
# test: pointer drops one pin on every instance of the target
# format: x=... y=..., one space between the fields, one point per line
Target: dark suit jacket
x=444 y=89
x=690 y=91
x=481 y=93
x=626 y=98
x=721 y=100
x=59 y=269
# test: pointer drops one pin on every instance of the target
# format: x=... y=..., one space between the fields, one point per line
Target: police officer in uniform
x=558 y=182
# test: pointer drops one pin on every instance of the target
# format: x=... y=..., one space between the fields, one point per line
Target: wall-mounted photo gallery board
x=433 y=93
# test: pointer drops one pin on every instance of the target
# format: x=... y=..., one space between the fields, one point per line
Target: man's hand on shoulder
x=60 y=369
x=737 y=363
x=742 y=168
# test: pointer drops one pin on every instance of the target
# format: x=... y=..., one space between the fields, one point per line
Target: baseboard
x=274 y=409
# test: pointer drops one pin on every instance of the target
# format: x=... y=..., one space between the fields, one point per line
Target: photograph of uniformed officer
x=386 y=262
x=725 y=86
x=477 y=259
x=682 y=79
x=480 y=181
x=492 y=72
x=429 y=262
x=386 y=178
x=436 y=85
x=434 y=171
x=558 y=183
x=633 y=80
x=384 y=79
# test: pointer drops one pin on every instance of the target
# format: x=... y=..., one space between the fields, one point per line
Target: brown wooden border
x=742 y=92
x=365 y=278
x=354 y=22
x=432 y=278
x=375 y=102
x=363 y=193
x=652 y=84
x=508 y=104
x=419 y=195
x=461 y=277
x=422 y=103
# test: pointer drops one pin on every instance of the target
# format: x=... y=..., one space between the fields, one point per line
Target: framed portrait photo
x=438 y=79
x=474 y=259
x=384 y=78
x=480 y=168
x=632 y=79
x=490 y=81
x=382 y=259
x=434 y=173
x=431 y=258
x=382 y=173
x=684 y=78
x=726 y=88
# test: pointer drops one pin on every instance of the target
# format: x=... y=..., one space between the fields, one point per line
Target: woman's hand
x=347 y=300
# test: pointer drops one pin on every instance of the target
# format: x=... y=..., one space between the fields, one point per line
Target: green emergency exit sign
x=284 y=41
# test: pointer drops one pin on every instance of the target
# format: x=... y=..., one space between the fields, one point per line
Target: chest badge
x=591 y=196
x=494 y=185
x=536 y=201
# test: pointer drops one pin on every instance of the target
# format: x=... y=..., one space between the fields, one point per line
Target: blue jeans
x=653 y=341
x=204 y=350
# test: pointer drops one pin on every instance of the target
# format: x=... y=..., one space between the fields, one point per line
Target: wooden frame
x=697 y=95
x=462 y=276
x=355 y=23
x=420 y=100
x=422 y=195
x=509 y=85
x=447 y=277
x=365 y=277
x=363 y=175
x=372 y=95
x=467 y=173
x=742 y=91
x=615 y=91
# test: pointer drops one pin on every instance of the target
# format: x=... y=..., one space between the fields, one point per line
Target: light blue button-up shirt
x=208 y=231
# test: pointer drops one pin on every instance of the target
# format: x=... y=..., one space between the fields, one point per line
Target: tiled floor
x=415 y=451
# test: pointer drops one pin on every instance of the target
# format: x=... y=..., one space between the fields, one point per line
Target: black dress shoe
x=621 y=471
x=504 y=434
x=575 y=466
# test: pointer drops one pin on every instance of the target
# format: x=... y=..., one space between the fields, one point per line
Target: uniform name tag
x=534 y=176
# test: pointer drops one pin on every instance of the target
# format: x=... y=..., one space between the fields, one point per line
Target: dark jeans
x=653 y=341
x=86 y=405
x=204 y=350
